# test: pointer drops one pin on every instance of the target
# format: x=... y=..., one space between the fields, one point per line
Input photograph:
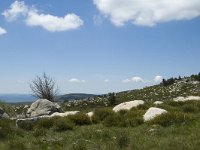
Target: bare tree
x=44 y=87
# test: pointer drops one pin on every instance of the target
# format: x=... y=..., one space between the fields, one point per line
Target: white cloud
x=137 y=79
x=16 y=9
x=54 y=23
x=106 y=80
x=126 y=81
x=148 y=12
x=2 y=31
x=158 y=78
x=75 y=80
x=47 y=21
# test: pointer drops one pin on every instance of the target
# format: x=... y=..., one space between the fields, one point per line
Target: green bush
x=63 y=124
x=101 y=114
x=112 y=120
x=5 y=127
x=80 y=119
x=171 y=118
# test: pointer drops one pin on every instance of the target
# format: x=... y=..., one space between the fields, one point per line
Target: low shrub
x=80 y=119
x=28 y=125
x=63 y=124
x=5 y=127
x=171 y=118
x=101 y=114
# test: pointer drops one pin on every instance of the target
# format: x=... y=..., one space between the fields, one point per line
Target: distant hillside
x=75 y=96
x=167 y=90
x=14 y=98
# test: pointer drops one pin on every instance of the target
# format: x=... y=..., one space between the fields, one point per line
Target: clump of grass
x=190 y=108
x=39 y=132
x=112 y=120
x=16 y=145
x=46 y=123
x=171 y=118
x=80 y=119
x=63 y=124
x=123 y=140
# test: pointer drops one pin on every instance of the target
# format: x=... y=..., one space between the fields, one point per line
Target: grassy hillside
x=74 y=96
x=179 y=129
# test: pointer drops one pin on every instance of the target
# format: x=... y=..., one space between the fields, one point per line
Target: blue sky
x=105 y=48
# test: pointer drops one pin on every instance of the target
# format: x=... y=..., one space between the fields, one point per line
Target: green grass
x=125 y=130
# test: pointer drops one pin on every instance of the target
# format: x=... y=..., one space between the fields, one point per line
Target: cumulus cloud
x=2 y=31
x=158 y=78
x=54 y=23
x=47 y=21
x=148 y=12
x=75 y=80
x=137 y=79
x=15 y=10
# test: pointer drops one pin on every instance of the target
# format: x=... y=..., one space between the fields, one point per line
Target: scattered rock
x=42 y=107
x=152 y=113
x=3 y=114
x=67 y=113
x=128 y=105
x=189 y=98
x=90 y=114
x=158 y=102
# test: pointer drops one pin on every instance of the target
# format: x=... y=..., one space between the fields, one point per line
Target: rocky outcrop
x=42 y=107
x=3 y=114
x=128 y=105
x=152 y=113
x=28 y=120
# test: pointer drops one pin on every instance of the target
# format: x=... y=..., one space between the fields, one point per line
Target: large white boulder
x=42 y=107
x=188 y=98
x=67 y=113
x=128 y=105
x=3 y=114
x=152 y=113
